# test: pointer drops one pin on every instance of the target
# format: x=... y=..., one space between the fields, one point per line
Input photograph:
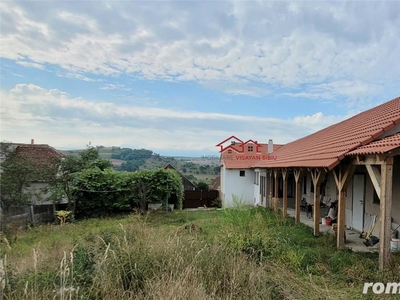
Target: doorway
x=358 y=201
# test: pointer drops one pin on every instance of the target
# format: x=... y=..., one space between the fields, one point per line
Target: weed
x=237 y=253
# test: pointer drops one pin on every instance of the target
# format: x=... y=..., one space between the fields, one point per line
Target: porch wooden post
x=385 y=213
x=271 y=187
x=266 y=188
x=285 y=192
x=342 y=182
x=317 y=177
x=275 y=206
x=341 y=219
x=297 y=178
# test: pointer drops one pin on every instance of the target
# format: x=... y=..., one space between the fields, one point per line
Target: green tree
x=15 y=179
x=130 y=166
x=202 y=186
x=62 y=185
x=157 y=185
x=18 y=171
x=102 y=192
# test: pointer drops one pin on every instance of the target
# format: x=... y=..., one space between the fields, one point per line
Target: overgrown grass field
x=225 y=254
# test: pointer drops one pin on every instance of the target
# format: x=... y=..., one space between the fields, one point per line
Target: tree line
x=88 y=184
x=134 y=158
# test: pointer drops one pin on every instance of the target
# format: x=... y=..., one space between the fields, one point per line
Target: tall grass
x=231 y=254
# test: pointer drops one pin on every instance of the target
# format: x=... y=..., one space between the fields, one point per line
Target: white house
x=356 y=162
x=41 y=157
x=240 y=182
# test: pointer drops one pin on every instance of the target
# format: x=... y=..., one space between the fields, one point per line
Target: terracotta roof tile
x=325 y=148
x=378 y=147
x=40 y=155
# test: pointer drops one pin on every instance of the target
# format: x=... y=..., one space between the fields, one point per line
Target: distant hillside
x=195 y=169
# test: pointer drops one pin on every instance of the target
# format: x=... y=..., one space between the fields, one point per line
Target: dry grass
x=232 y=254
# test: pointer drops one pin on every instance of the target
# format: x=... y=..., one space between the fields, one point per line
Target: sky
x=178 y=77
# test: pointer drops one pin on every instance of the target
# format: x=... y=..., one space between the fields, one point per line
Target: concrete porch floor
x=353 y=241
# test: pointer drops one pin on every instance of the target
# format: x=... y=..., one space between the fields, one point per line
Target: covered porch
x=353 y=240
x=342 y=184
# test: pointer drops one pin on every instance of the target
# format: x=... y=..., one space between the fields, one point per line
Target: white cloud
x=301 y=44
x=31 y=64
x=54 y=117
x=115 y=86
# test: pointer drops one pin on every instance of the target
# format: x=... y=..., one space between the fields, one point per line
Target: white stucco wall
x=371 y=208
x=222 y=183
x=256 y=188
x=38 y=192
x=239 y=187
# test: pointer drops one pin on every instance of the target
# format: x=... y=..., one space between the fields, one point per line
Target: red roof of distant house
x=188 y=182
x=216 y=183
x=40 y=155
x=378 y=147
x=328 y=146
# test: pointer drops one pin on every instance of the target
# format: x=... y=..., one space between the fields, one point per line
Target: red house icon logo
x=238 y=145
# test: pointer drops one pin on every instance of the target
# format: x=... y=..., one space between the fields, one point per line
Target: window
x=229 y=151
x=241 y=173
x=250 y=148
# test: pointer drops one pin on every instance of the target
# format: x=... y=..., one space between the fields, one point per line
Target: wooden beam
x=285 y=191
x=297 y=178
x=335 y=176
x=264 y=191
x=347 y=176
x=271 y=188
x=342 y=179
x=385 y=213
x=369 y=160
x=276 y=188
x=360 y=158
x=317 y=176
x=375 y=176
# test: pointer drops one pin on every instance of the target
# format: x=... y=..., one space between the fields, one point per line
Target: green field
x=217 y=254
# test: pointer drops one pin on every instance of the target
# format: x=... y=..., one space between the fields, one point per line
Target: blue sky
x=178 y=77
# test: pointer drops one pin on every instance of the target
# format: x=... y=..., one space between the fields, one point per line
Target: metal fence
x=23 y=216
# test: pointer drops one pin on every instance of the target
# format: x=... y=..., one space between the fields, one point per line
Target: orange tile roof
x=325 y=148
x=378 y=147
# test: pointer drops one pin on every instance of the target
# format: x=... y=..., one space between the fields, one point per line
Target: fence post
x=32 y=214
